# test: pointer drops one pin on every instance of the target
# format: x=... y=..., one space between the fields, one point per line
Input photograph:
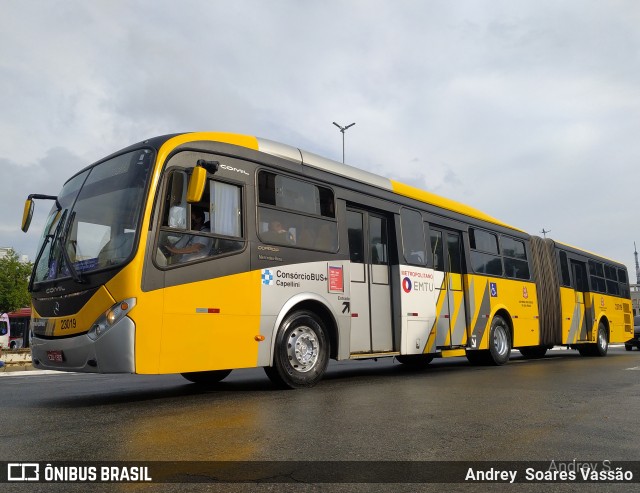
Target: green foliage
x=14 y=281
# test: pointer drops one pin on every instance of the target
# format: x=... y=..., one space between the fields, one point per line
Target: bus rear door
x=582 y=319
x=450 y=309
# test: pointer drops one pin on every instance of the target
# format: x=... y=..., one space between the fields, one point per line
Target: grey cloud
x=534 y=106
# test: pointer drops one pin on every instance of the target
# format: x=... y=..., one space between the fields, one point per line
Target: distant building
x=4 y=251
x=635 y=299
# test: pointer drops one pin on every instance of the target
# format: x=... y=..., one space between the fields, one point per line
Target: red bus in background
x=4 y=331
x=19 y=323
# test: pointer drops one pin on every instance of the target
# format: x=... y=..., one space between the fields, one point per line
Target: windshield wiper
x=57 y=238
x=51 y=237
x=62 y=239
x=46 y=241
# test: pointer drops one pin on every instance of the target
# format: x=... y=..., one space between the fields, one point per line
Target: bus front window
x=101 y=209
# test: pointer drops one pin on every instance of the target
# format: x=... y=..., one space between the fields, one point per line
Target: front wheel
x=301 y=353
x=602 y=345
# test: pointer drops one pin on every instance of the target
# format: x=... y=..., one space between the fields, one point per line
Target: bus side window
x=209 y=228
x=177 y=201
x=413 y=243
x=296 y=213
x=564 y=269
x=356 y=238
x=437 y=249
x=514 y=252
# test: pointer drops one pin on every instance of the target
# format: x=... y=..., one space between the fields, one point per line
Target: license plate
x=55 y=356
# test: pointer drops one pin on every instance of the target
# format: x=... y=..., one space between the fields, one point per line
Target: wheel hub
x=302 y=349
x=500 y=340
x=602 y=340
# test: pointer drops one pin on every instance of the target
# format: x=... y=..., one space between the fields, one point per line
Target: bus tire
x=601 y=347
x=415 y=361
x=206 y=377
x=598 y=348
x=301 y=352
x=499 y=342
x=533 y=352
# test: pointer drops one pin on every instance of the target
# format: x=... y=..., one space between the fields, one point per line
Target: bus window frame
x=266 y=206
x=163 y=190
x=472 y=250
x=425 y=246
x=506 y=258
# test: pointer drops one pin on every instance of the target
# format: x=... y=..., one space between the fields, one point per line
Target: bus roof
x=312 y=160
x=587 y=253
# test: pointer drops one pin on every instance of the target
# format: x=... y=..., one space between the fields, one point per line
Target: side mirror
x=27 y=214
x=197 y=181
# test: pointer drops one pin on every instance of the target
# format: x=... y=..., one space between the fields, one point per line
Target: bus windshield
x=100 y=211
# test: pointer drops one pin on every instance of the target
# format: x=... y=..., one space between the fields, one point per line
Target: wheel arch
x=603 y=318
x=315 y=304
x=502 y=312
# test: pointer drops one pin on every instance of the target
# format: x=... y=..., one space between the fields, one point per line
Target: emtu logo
x=406 y=285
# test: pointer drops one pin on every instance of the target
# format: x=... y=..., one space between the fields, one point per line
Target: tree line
x=14 y=283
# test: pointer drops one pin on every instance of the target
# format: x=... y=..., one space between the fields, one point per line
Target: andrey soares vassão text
x=557 y=471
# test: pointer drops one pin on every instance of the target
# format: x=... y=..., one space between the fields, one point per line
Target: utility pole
x=545 y=231
x=342 y=130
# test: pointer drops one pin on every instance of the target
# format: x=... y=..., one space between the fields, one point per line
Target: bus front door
x=371 y=324
x=451 y=319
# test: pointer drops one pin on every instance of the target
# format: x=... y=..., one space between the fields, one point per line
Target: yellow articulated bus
x=200 y=253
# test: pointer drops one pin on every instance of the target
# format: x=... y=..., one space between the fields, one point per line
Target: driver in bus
x=192 y=247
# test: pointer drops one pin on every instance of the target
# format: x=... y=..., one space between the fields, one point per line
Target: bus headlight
x=111 y=317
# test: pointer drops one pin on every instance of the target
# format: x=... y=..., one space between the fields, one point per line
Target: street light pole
x=342 y=130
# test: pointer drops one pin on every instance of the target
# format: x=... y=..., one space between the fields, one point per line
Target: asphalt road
x=561 y=408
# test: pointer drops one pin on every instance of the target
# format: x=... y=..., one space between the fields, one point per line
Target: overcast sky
x=527 y=110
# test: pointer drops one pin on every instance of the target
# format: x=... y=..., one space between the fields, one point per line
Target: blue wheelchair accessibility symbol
x=494 y=289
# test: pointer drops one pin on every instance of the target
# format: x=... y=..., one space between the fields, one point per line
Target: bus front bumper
x=113 y=352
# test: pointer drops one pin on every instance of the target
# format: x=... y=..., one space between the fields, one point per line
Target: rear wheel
x=499 y=342
x=600 y=347
x=301 y=353
x=206 y=377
